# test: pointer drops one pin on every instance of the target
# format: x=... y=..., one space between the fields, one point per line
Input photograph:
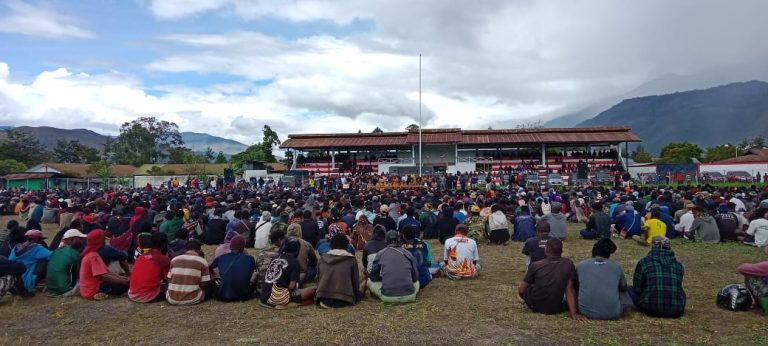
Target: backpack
x=734 y=297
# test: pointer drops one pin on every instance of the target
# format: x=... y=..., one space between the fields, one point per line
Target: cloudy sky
x=227 y=67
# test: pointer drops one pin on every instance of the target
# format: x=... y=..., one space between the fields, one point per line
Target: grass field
x=483 y=311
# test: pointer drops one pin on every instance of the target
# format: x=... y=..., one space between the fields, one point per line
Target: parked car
x=740 y=176
x=713 y=177
x=603 y=178
x=532 y=179
x=555 y=179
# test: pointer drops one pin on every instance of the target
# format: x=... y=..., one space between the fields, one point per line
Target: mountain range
x=723 y=114
x=49 y=136
x=708 y=117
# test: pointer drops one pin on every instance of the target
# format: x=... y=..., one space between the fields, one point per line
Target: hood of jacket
x=666 y=257
x=336 y=256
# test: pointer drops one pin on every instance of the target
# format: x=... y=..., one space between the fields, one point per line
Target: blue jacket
x=420 y=251
x=30 y=258
x=632 y=222
x=525 y=227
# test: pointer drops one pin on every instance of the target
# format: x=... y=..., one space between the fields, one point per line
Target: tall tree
x=11 y=166
x=268 y=141
x=209 y=154
x=722 y=152
x=23 y=147
x=71 y=151
x=412 y=127
x=378 y=130
x=257 y=152
x=102 y=170
x=640 y=155
x=146 y=140
x=220 y=158
x=680 y=153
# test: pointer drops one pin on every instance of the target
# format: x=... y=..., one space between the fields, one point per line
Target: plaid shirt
x=658 y=282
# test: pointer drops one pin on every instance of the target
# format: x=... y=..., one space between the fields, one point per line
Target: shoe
x=322 y=305
x=639 y=240
x=100 y=296
x=264 y=305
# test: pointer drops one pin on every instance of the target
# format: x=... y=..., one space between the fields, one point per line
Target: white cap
x=73 y=233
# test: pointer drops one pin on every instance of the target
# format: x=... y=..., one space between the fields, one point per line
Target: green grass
x=483 y=311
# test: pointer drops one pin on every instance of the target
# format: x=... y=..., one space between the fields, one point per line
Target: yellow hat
x=475 y=209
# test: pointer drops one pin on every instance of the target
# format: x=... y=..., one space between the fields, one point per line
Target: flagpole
x=420 y=162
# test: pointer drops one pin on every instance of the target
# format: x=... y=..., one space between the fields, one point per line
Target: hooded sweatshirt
x=658 y=283
x=557 y=225
x=307 y=256
x=373 y=246
x=338 y=277
x=705 y=229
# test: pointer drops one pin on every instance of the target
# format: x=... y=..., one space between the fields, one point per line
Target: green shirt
x=169 y=227
x=63 y=270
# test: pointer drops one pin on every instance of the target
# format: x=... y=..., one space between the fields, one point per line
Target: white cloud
x=40 y=20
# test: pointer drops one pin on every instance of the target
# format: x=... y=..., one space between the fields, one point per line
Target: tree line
x=145 y=140
x=685 y=152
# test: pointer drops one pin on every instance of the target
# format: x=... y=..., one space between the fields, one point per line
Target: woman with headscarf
x=307 y=257
x=96 y=281
x=361 y=232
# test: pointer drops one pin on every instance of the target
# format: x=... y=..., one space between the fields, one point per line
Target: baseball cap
x=74 y=233
x=34 y=234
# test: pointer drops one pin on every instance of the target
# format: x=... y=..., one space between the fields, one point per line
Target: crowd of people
x=147 y=244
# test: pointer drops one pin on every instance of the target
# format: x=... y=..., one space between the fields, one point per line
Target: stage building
x=457 y=150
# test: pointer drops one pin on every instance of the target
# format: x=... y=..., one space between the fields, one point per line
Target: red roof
x=755 y=155
x=528 y=137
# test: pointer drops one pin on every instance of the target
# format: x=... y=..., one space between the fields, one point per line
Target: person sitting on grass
x=281 y=282
x=64 y=266
x=237 y=272
x=96 y=281
x=600 y=283
x=179 y=245
x=547 y=281
x=189 y=279
x=599 y=225
x=558 y=223
x=657 y=285
x=525 y=225
x=421 y=251
x=11 y=278
x=757 y=232
x=533 y=249
x=704 y=227
x=34 y=257
x=306 y=256
x=756 y=280
x=499 y=226
x=149 y=272
x=460 y=256
x=338 y=280
x=653 y=227
x=630 y=223
x=394 y=276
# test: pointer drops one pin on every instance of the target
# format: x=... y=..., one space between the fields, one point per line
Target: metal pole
x=626 y=158
x=420 y=164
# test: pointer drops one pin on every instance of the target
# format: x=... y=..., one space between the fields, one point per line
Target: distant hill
x=200 y=141
x=48 y=137
x=723 y=114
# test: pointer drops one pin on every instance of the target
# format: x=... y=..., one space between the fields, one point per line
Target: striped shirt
x=184 y=279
